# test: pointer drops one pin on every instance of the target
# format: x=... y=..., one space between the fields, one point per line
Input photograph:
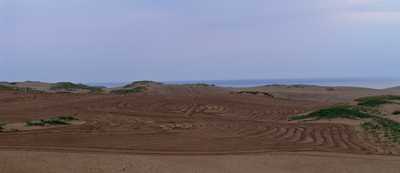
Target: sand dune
x=190 y=128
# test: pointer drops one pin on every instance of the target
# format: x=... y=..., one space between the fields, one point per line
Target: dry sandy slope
x=35 y=162
x=190 y=132
x=320 y=93
x=293 y=92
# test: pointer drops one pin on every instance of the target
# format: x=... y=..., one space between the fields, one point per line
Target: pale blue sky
x=117 y=41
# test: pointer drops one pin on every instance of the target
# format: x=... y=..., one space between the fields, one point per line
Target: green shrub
x=6 y=88
x=373 y=103
x=1 y=127
x=130 y=91
x=140 y=82
x=330 y=89
x=396 y=112
x=334 y=112
x=255 y=93
x=67 y=118
x=381 y=97
x=68 y=86
x=44 y=122
x=13 y=83
x=203 y=84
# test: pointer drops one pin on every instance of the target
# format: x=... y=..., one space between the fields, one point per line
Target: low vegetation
x=255 y=93
x=13 y=83
x=368 y=110
x=1 y=127
x=373 y=103
x=140 y=82
x=60 y=120
x=69 y=118
x=390 y=128
x=68 y=86
x=381 y=97
x=331 y=113
x=364 y=110
x=330 y=89
x=203 y=84
x=129 y=91
x=44 y=122
x=6 y=88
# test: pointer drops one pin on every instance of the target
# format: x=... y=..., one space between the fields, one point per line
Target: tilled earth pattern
x=203 y=124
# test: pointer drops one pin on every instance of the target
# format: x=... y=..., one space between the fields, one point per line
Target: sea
x=374 y=83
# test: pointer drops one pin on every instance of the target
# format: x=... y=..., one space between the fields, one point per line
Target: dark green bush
x=334 y=112
x=140 y=82
x=373 y=103
x=130 y=91
x=396 y=112
x=44 y=122
x=255 y=93
x=381 y=97
x=68 y=86
x=67 y=118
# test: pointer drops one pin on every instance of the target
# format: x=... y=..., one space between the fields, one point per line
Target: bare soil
x=183 y=133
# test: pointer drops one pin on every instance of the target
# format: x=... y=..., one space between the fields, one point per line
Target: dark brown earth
x=209 y=124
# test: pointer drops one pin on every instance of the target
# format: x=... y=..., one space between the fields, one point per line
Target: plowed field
x=208 y=124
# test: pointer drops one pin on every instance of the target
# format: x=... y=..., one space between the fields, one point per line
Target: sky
x=129 y=40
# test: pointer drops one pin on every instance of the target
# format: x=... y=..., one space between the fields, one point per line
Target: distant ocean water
x=375 y=83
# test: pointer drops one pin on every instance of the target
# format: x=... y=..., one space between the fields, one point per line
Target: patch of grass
x=331 y=113
x=373 y=103
x=396 y=113
x=364 y=109
x=381 y=97
x=44 y=122
x=203 y=84
x=140 y=82
x=68 y=86
x=330 y=89
x=13 y=83
x=130 y=91
x=296 y=86
x=390 y=128
x=255 y=93
x=15 y=130
x=75 y=114
x=1 y=127
x=69 y=118
x=6 y=88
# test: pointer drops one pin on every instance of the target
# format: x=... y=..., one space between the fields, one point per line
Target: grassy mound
x=381 y=97
x=390 y=128
x=68 y=86
x=130 y=91
x=140 y=82
x=254 y=92
x=373 y=103
x=376 y=100
x=331 y=113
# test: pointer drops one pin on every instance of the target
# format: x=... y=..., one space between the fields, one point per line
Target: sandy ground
x=170 y=131
x=35 y=162
x=291 y=92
